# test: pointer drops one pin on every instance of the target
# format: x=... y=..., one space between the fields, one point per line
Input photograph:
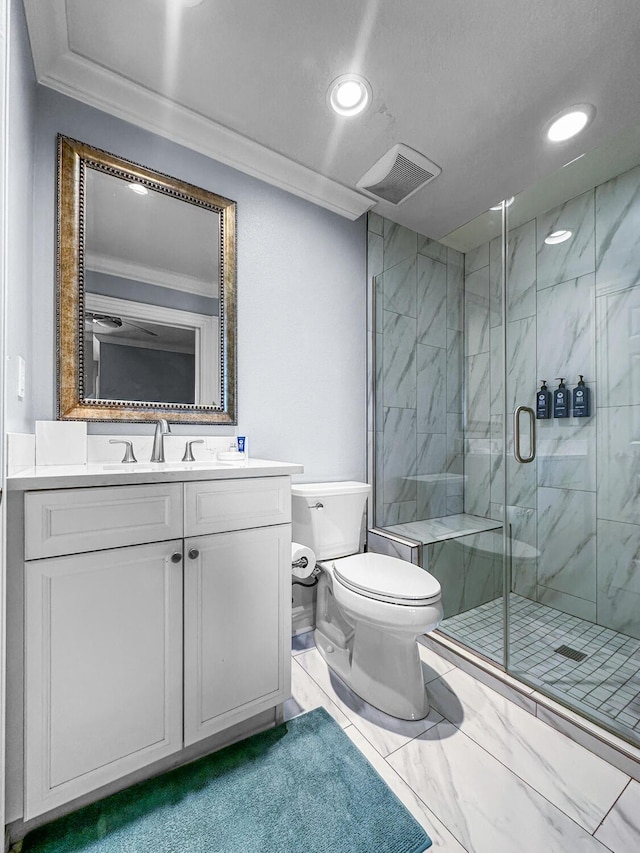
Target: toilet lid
x=387 y=579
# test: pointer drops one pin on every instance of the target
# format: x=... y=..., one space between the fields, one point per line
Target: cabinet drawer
x=214 y=507
x=70 y=521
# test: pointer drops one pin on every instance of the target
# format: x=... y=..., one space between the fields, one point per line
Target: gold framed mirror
x=146 y=294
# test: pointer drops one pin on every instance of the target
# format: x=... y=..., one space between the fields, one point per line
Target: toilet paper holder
x=302 y=563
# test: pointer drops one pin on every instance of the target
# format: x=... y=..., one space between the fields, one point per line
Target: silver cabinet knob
x=194 y=553
x=175 y=558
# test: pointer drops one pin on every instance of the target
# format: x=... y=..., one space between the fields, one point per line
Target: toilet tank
x=327 y=517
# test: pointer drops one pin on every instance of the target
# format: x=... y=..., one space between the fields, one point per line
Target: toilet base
x=382 y=668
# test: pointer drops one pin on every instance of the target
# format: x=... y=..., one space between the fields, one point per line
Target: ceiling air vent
x=398 y=174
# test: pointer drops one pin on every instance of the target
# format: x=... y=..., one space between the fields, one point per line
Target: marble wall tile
x=432 y=477
x=477 y=396
x=482 y=567
x=567 y=542
x=618 y=463
x=432 y=498
x=455 y=370
x=566 y=331
x=495 y=281
x=566 y=453
x=375 y=247
x=476 y=311
x=379 y=302
x=476 y=258
x=455 y=504
x=618 y=348
x=399 y=361
x=399 y=288
x=399 y=243
x=379 y=463
x=432 y=302
x=399 y=455
x=455 y=456
x=455 y=290
x=497 y=370
x=445 y=563
x=521 y=272
x=379 y=380
x=400 y=512
x=521 y=362
x=375 y=223
x=617 y=205
x=524 y=550
x=571 y=604
x=477 y=472
x=432 y=249
x=432 y=389
x=574 y=257
x=619 y=576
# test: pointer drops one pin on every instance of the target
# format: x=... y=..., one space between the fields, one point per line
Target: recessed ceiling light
x=349 y=94
x=557 y=237
x=138 y=188
x=507 y=203
x=570 y=122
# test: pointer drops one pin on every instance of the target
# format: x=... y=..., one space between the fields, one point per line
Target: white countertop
x=121 y=474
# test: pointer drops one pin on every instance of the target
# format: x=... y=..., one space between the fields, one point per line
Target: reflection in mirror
x=147 y=289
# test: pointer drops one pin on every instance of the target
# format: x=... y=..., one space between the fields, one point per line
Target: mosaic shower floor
x=605 y=683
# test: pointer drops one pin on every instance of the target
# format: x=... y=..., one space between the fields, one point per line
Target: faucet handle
x=129 y=455
x=188 y=453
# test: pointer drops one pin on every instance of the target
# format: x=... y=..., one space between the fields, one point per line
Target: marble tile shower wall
x=419 y=358
x=573 y=308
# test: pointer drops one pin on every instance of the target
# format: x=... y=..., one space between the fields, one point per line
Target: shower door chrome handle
x=516 y=431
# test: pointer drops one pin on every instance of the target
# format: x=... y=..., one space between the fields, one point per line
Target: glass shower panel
x=573 y=513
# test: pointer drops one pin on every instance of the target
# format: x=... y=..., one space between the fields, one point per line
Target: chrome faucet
x=162 y=429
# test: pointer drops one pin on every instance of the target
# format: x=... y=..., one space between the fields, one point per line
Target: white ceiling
x=471 y=85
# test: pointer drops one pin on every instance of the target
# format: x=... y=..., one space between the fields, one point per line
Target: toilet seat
x=389 y=579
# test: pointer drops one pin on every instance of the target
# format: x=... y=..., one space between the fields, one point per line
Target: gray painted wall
x=22 y=130
x=301 y=299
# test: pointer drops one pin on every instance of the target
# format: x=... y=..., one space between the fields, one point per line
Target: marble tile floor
x=479 y=773
x=606 y=684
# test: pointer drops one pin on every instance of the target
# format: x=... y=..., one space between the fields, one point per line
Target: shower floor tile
x=606 y=683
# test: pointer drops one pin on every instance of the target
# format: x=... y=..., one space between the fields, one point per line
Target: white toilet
x=371 y=608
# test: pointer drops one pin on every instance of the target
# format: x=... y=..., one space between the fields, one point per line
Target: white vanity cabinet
x=155 y=616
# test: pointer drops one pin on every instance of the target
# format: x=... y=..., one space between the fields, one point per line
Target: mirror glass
x=146 y=293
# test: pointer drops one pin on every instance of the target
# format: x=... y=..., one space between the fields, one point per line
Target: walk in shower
x=463 y=332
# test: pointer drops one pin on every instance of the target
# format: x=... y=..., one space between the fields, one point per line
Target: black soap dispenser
x=561 y=400
x=581 y=400
x=543 y=402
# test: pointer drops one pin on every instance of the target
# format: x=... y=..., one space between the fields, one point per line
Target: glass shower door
x=572 y=513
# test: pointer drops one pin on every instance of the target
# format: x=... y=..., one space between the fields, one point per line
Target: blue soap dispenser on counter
x=543 y=402
x=581 y=400
x=561 y=400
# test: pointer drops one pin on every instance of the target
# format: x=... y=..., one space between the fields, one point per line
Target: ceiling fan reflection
x=108 y=321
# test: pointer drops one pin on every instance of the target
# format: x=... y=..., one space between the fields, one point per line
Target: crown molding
x=59 y=68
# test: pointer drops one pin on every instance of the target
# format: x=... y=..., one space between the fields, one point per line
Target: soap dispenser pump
x=581 y=400
x=561 y=400
x=543 y=401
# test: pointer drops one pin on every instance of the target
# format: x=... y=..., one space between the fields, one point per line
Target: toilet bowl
x=371 y=608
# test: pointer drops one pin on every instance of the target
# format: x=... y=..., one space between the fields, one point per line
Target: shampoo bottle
x=561 y=400
x=543 y=401
x=581 y=400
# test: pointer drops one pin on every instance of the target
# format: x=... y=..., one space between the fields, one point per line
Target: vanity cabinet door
x=237 y=627
x=103 y=668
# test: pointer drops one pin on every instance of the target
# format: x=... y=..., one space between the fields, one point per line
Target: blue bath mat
x=302 y=787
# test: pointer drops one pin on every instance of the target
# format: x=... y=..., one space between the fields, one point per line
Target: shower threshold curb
x=593 y=737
